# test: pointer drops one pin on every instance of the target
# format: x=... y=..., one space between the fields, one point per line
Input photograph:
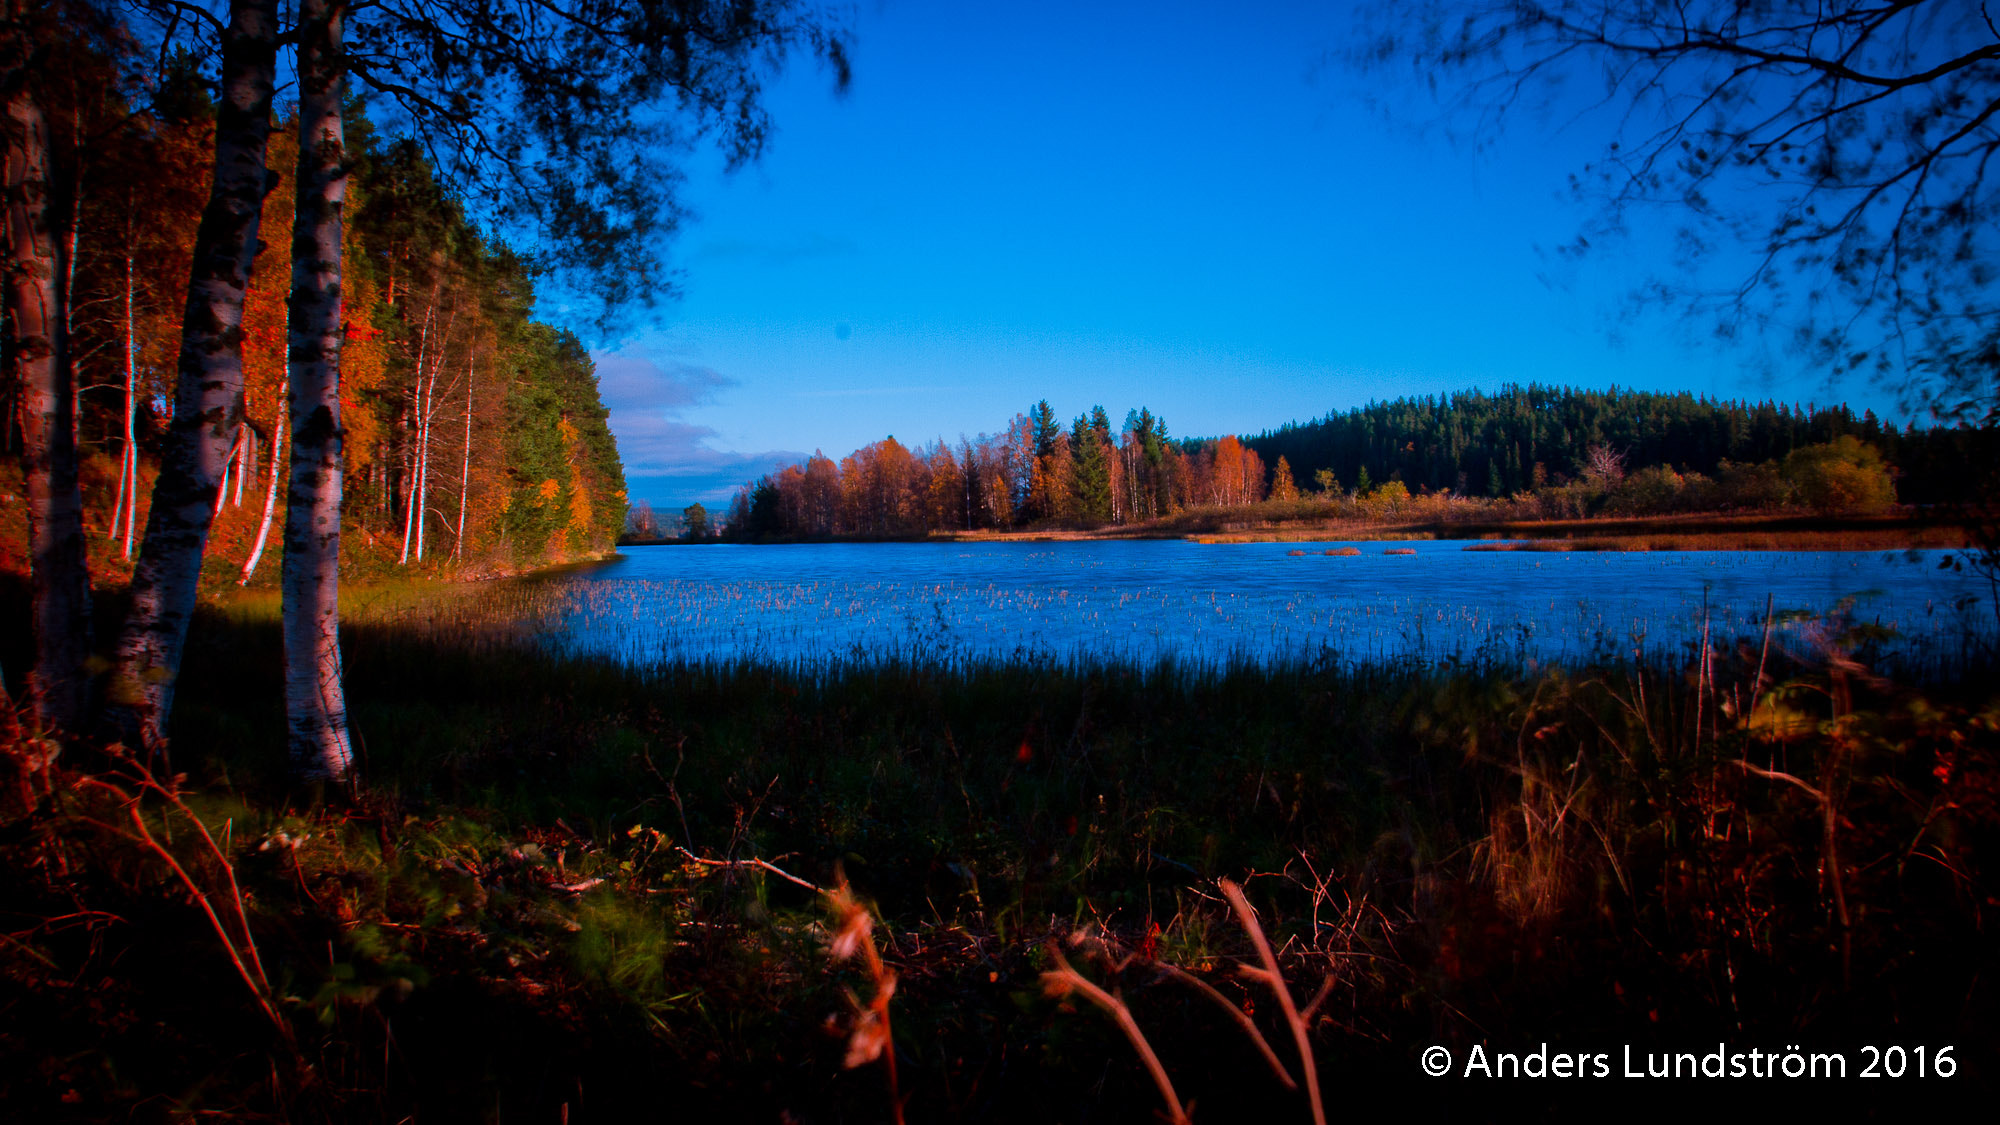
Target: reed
x=573 y=870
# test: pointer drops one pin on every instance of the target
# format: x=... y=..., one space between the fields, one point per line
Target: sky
x=1178 y=206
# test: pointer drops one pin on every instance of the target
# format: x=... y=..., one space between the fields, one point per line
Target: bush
x=1844 y=475
x=1388 y=499
x=1651 y=490
x=1757 y=487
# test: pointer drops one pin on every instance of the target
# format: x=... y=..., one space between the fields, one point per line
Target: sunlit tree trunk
x=315 y=703
x=231 y=464
x=426 y=405
x=410 y=500
x=128 y=466
x=416 y=430
x=246 y=456
x=429 y=400
x=208 y=392
x=278 y=427
x=39 y=356
x=464 y=465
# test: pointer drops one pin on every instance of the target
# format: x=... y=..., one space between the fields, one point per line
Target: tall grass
x=1473 y=853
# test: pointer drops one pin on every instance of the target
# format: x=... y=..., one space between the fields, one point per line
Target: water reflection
x=1148 y=600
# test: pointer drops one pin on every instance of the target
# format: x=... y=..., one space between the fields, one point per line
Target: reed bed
x=562 y=894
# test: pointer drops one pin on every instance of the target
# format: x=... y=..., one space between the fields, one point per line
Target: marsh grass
x=1718 y=531
x=514 y=919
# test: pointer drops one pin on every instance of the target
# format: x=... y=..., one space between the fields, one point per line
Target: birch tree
x=552 y=114
x=279 y=425
x=315 y=700
x=38 y=362
x=208 y=391
x=124 y=510
x=580 y=85
x=465 y=463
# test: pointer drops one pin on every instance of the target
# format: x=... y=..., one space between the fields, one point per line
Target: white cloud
x=670 y=460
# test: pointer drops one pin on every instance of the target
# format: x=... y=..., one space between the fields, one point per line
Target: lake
x=1144 y=600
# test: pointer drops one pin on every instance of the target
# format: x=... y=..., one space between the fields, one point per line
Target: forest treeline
x=1525 y=452
x=474 y=434
x=1525 y=437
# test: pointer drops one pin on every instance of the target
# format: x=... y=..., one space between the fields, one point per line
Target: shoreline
x=1903 y=531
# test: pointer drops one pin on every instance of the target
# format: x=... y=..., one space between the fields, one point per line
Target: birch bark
x=128 y=467
x=208 y=392
x=278 y=426
x=416 y=429
x=315 y=703
x=464 y=465
x=231 y=465
x=39 y=356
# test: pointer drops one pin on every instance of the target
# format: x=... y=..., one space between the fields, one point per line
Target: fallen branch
x=1779 y=775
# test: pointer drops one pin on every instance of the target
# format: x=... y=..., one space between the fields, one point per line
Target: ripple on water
x=1147 y=600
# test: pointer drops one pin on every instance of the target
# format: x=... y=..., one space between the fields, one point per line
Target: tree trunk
x=278 y=426
x=315 y=704
x=128 y=466
x=464 y=465
x=208 y=391
x=429 y=417
x=39 y=356
x=416 y=429
x=231 y=465
x=246 y=455
x=428 y=407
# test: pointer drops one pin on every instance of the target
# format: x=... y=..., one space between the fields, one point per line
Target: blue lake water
x=1149 y=599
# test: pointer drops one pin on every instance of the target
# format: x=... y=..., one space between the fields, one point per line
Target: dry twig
x=1064 y=980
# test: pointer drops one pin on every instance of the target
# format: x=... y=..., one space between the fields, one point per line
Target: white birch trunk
x=424 y=449
x=430 y=400
x=209 y=387
x=416 y=428
x=246 y=455
x=417 y=496
x=278 y=427
x=229 y=465
x=128 y=465
x=39 y=365
x=315 y=700
x=464 y=465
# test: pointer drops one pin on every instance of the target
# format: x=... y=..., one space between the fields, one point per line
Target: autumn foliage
x=444 y=374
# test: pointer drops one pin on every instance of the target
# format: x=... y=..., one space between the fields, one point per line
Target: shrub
x=1655 y=488
x=1844 y=475
x=1759 y=486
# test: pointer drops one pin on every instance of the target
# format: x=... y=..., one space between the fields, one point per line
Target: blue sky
x=1170 y=205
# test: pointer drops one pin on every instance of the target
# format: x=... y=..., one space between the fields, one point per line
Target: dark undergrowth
x=542 y=903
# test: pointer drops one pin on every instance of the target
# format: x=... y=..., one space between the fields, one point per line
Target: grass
x=1685 y=532
x=1452 y=517
x=510 y=923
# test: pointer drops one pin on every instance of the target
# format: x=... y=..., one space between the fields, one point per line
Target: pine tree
x=1090 y=479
